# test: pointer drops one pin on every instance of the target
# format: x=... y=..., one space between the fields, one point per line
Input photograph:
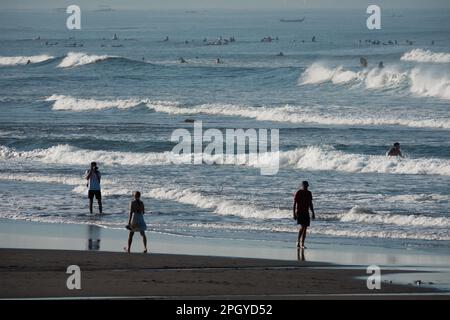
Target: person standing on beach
x=136 y=221
x=302 y=204
x=93 y=176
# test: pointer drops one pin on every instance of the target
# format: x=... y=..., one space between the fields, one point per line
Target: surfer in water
x=363 y=62
x=395 y=151
x=302 y=204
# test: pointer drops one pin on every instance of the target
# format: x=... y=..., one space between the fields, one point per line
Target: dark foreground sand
x=26 y=273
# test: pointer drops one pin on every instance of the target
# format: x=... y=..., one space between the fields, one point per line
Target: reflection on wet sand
x=93 y=236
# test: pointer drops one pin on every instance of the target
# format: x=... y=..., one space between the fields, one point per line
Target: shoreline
x=23 y=234
x=34 y=253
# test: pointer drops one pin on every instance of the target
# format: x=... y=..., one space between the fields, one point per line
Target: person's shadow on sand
x=301 y=254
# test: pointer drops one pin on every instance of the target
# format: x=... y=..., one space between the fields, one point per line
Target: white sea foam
x=423 y=82
x=66 y=154
x=335 y=231
x=327 y=158
x=217 y=204
x=76 y=59
x=41 y=178
x=367 y=216
x=425 y=198
x=79 y=181
x=385 y=78
x=62 y=102
x=10 y=61
x=364 y=233
x=319 y=73
x=291 y=114
x=379 y=225
x=430 y=83
x=307 y=158
x=375 y=78
x=421 y=55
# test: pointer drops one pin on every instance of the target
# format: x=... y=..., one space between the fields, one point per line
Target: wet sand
x=31 y=273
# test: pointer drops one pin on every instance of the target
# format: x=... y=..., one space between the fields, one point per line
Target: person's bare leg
x=130 y=240
x=144 y=239
x=300 y=233
x=304 y=236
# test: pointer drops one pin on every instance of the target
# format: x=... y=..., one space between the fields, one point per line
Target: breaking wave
x=76 y=59
x=421 y=81
x=307 y=158
x=61 y=102
x=358 y=222
x=367 y=216
x=18 y=60
x=290 y=114
x=420 y=55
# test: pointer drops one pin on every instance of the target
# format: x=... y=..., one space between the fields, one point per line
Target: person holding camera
x=93 y=176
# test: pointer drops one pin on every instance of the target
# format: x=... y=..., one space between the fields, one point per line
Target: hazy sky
x=225 y=4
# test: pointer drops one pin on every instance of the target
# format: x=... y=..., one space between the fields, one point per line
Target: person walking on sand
x=93 y=176
x=302 y=204
x=136 y=221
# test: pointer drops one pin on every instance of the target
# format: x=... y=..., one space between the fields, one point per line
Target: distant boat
x=104 y=9
x=293 y=20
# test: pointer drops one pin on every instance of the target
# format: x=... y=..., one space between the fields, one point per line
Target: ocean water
x=85 y=97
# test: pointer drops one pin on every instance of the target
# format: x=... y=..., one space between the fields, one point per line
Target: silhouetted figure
x=28 y=61
x=181 y=59
x=302 y=204
x=115 y=37
x=93 y=176
x=281 y=54
x=313 y=39
x=381 y=65
x=395 y=151
x=363 y=62
x=166 y=39
x=218 y=61
x=136 y=221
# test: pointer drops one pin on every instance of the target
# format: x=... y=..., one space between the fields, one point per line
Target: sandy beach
x=28 y=273
x=35 y=257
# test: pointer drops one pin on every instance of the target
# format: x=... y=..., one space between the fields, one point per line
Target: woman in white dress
x=136 y=221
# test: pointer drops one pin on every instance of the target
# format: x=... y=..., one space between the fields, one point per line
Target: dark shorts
x=303 y=219
x=96 y=193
